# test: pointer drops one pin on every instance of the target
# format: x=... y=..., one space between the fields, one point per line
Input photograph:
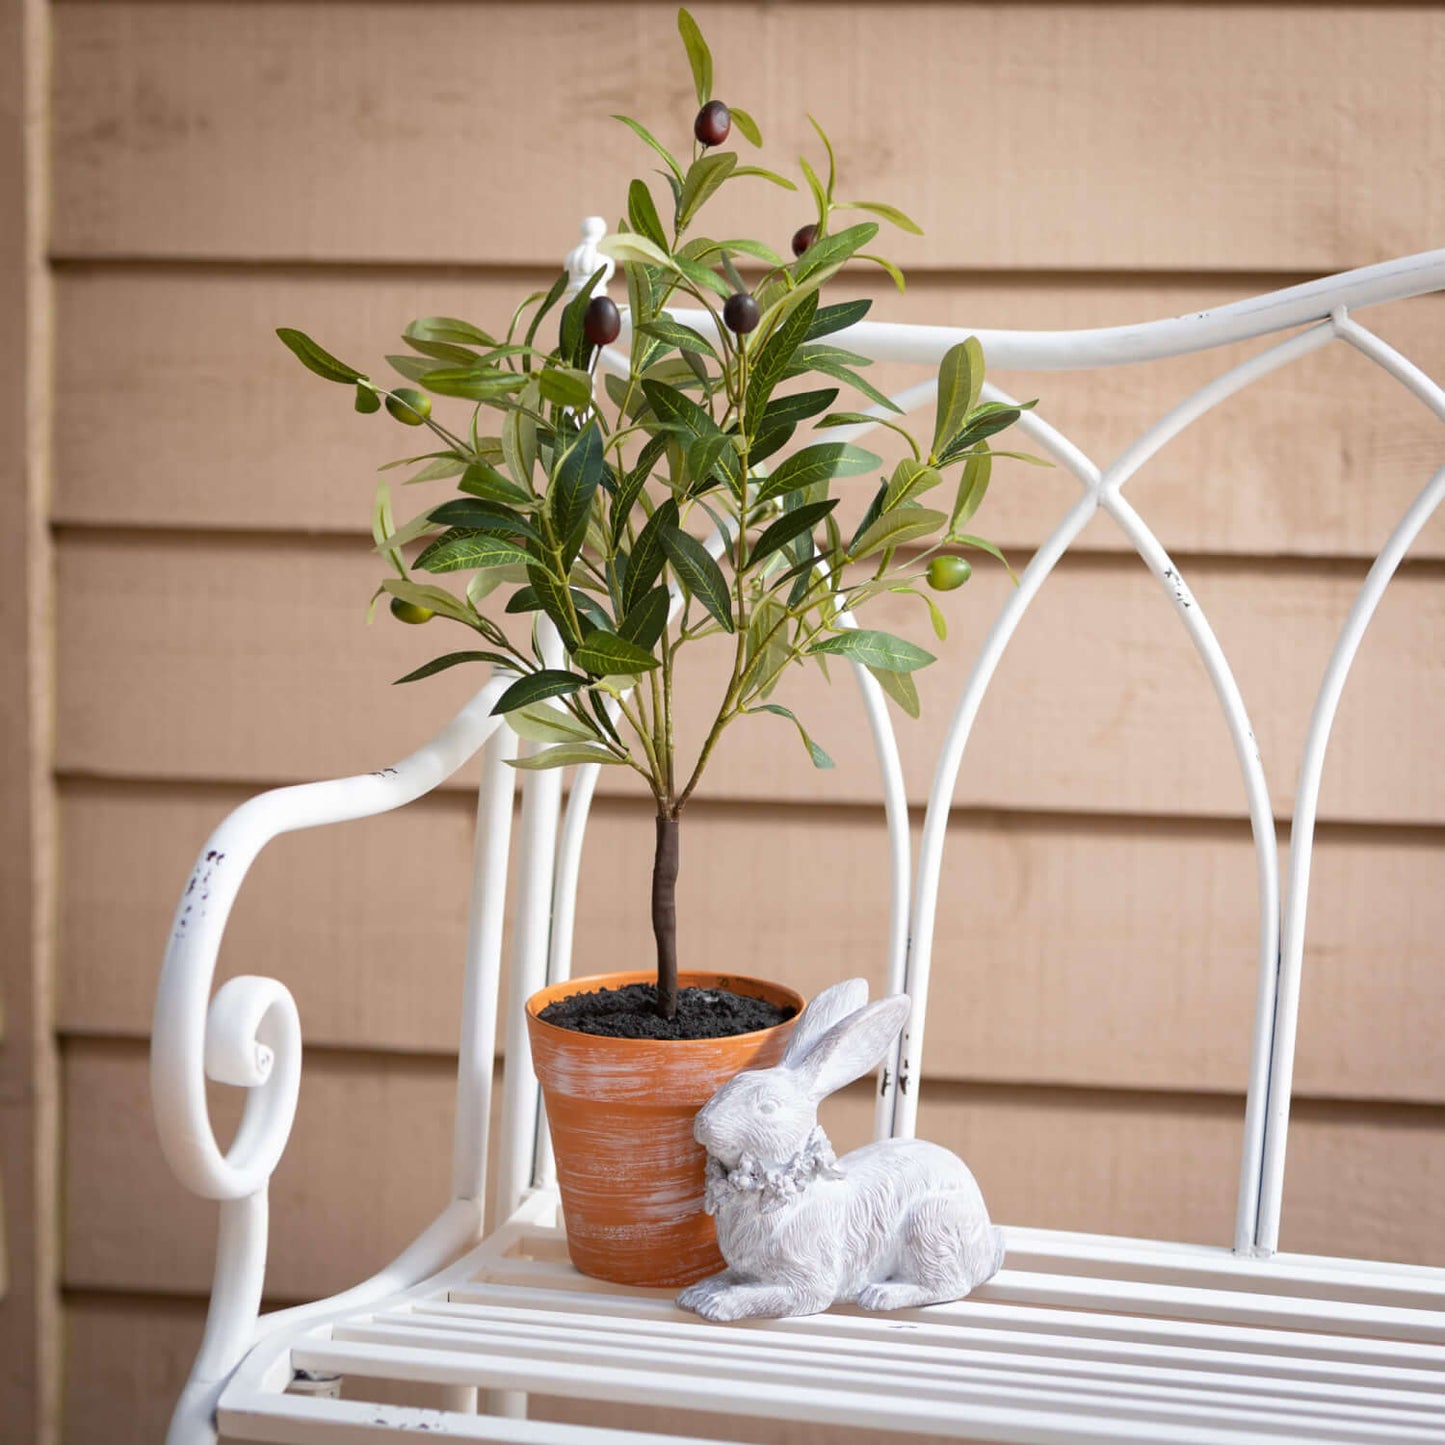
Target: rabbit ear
x=821 y=1014
x=853 y=1046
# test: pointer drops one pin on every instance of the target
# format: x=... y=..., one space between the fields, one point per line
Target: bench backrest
x=248 y=1034
x=1290 y=324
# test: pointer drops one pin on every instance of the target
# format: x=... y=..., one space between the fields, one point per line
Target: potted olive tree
x=583 y=512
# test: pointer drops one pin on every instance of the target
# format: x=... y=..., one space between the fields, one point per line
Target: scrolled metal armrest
x=249 y=1034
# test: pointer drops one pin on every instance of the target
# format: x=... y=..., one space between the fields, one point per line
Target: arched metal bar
x=1208 y=396
x=531 y=941
x=940 y=797
x=1311 y=773
x=900 y=856
x=1231 y=701
x=482 y=975
x=569 y=867
x=564 y=916
x=1266 y=849
x=1151 y=340
x=1242 y=734
x=895 y=1065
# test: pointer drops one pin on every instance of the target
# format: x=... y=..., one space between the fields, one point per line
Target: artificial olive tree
x=586 y=509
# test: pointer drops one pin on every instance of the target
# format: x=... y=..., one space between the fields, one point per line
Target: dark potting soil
x=630 y=1012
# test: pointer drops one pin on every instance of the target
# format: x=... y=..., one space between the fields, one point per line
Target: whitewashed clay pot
x=620 y=1112
x=895 y=1224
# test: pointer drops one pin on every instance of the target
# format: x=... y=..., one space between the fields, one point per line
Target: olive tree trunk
x=664 y=912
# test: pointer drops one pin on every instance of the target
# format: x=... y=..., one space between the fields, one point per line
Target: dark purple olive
x=714 y=122
x=741 y=313
x=601 y=321
x=804 y=237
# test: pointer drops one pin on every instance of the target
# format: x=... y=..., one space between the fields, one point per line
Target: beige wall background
x=214 y=170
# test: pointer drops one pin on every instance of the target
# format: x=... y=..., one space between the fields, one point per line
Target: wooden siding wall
x=222 y=168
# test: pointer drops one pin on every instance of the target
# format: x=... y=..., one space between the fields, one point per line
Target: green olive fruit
x=405 y=611
x=408 y=406
x=946 y=573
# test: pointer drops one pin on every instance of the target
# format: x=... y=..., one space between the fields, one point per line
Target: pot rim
x=551 y=994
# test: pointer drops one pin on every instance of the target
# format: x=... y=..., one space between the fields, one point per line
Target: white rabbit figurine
x=894 y=1224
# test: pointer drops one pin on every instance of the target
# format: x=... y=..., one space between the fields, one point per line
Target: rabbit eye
x=767 y=1107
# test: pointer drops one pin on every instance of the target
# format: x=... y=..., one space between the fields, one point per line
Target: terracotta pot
x=621 y=1111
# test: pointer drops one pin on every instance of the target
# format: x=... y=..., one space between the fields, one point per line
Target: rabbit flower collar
x=776 y=1186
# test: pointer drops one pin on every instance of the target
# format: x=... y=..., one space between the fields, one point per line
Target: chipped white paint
x=896 y=1224
x=1142 y=1308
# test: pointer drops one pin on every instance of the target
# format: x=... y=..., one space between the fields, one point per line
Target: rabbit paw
x=899 y=1295
x=730 y=1301
x=720 y=1305
x=696 y=1297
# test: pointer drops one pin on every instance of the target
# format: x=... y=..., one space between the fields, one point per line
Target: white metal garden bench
x=1080 y=1337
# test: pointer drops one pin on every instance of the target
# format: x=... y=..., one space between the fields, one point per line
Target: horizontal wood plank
x=204 y=658
x=344 y=1201
x=1320 y=459
x=126 y=1361
x=1108 y=954
x=1111 y=136
x=367 y=1167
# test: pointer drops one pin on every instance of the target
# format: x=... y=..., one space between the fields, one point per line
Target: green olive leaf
x=606 y=654
x=538 y=687
x=818 y=463
x=874 y=649
x=972 y=486
x=565 y=755
x=697 y=571
x=819 y=757
x=463 y=550
x=642 y=215
x=447 y=330
x=893 y=529
x=541 y=723
x=960 y=378
x=642 y=132
x=699 y=57
x=889 y=213
x=440 y=664
x=765 y=174
x=900 y=687
x=317 y=359
x=747 y=125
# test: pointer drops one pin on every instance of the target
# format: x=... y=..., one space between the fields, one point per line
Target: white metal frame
x=1079 y=1338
